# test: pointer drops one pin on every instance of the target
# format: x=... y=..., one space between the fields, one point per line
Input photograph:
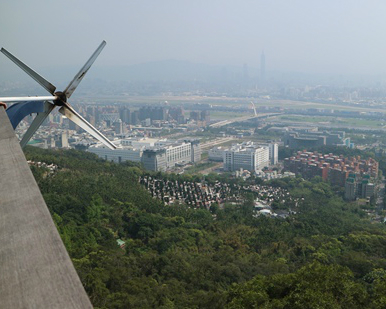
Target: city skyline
x=321 y=38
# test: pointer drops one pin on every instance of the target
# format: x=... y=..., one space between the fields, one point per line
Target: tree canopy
x=327 y=255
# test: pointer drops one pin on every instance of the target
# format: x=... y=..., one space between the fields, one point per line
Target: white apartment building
x=246 y=156
x=261 y=157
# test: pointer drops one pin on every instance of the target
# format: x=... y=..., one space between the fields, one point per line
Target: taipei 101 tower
x=262 y=67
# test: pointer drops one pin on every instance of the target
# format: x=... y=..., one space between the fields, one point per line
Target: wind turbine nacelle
x=61 y=98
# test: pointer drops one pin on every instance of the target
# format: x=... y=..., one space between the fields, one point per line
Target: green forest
x=326 y=255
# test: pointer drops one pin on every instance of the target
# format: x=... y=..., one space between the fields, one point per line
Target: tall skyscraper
x=245 y=73
x=273 y=153
x=124 y=114
x=262 y=67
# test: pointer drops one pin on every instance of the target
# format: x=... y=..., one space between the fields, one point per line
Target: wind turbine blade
x=71 y=114
x=41 y=80
x=36 y=123
x=78 y=77
x=26 y=99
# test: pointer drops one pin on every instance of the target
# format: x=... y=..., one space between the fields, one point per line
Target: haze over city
x=218 y=154
x=329 y=37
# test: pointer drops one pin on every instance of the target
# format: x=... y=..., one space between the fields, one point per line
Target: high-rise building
x=64 y=139
x=273 y=153
x=358 y=186
x=176 y=112
x=262 y=67
x=245 y=73
x=195 y=115
x=124 y=114
x=152 y=112
x=350 y=193
x=205 y=115
x=118 y=126
x=367 y=189
x=134 y=118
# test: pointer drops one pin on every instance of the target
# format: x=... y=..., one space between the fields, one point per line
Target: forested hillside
x=327 y=255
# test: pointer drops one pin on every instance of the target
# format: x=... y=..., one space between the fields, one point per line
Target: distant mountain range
x=169 y=70
x=184 y=71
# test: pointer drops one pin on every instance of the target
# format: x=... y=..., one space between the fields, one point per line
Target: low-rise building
x=156 y=155
x=117 y=155
x=308 y=138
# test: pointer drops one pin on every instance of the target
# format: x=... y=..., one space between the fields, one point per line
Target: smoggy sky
x=330 y=36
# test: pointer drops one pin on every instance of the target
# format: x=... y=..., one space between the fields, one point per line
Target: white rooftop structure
x=132 y=149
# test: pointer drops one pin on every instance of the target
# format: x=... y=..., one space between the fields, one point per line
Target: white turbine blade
x=41 y=80
x=78 y=77
x=36 y=123
x=26 y=99
x=71 y=114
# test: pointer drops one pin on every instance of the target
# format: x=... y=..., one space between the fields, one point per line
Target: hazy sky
x=330 y=36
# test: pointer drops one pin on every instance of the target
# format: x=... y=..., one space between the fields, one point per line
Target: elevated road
x=215 y=142
x=35 y=268
x=241 y=119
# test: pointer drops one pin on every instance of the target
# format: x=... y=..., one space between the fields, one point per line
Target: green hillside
x=327 y=255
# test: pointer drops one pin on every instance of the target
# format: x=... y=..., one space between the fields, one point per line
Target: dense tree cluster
x=327 y=255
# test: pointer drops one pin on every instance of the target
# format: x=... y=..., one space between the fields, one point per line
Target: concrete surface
x=35 y=269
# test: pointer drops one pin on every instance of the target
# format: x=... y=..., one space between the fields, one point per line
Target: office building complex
x=155 y=155
x=308 y=138
x=246 y=156
x=118 y=155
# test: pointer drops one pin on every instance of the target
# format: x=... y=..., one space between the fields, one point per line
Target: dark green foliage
x=312 y=286
x=328 y=255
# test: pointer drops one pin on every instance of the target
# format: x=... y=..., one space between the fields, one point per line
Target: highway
x=241 y=119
